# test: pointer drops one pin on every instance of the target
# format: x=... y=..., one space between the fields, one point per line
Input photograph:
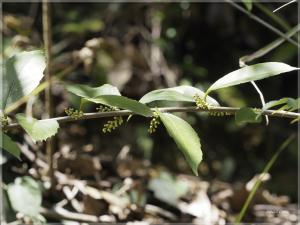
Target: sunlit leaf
x=38 y=130
x=251 y=73
x=181 y=93
x=185 y=137
x=25 y=196
x=110 y=96
x=21 y=75
x=86 y=91
x=10 y=146
x=247 y=115
x=122 y=103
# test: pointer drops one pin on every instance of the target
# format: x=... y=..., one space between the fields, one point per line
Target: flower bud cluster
x=4 y=123
x=219 y=113
x=103 y=108
x=74 y=113
x=201 y=103
x=154 y=123
x=112 y=124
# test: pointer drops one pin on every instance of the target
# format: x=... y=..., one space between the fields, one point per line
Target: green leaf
x=289 y=104
x=185 y=137
x=168 y=189
x=25 y=196
x=38 y=130
x=274 y=103
x=247 y=115
x=295 y=120
x=10 y=146
x=109 y=95
x=21 y=75
x=122 y=103
x=251 y=73
x=294 y=104
x=83 y=26
x=86 y=91
x=181 y=93
x=248 y=4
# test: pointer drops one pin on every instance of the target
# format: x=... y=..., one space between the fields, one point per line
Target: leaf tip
x=195 y=171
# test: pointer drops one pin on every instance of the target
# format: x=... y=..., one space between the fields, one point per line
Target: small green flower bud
x=201 y=103
x=154 y=123
x=75 y=114
x=112 y=124
x=4 y=123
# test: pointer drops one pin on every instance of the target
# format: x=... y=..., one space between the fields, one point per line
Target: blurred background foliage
x=139 y=47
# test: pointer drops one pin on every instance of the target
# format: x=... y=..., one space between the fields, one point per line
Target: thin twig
x=262 y=22
x=269 y=47
x=259 y=181
x=47 y=44
x=217 y=109
x=284 y=5
x=262 y=99
x=48 y=94
x=276 y=18
x=62 y=214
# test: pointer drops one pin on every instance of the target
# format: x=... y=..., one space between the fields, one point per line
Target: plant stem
x=262 y=99
x=277 y=19
x=269 y=47
x=47 y=45
x=258 y=182
x=219 y=109
x=284 y=5
x=48 y=95
x=262 y=22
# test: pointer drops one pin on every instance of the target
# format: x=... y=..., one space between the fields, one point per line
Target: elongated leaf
x=38 y=130
x=86 y=91
x=288 y=104
x=181 y=93
x=247 y=115
x=122 y=103
x=21 y=75
x=109 y=95
x=251 y=73
x=10 y=146
x=248 y=4
x=294 y=104
x=274 y=103
x=295 y=120
x=25 y=196
x=185 y=137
